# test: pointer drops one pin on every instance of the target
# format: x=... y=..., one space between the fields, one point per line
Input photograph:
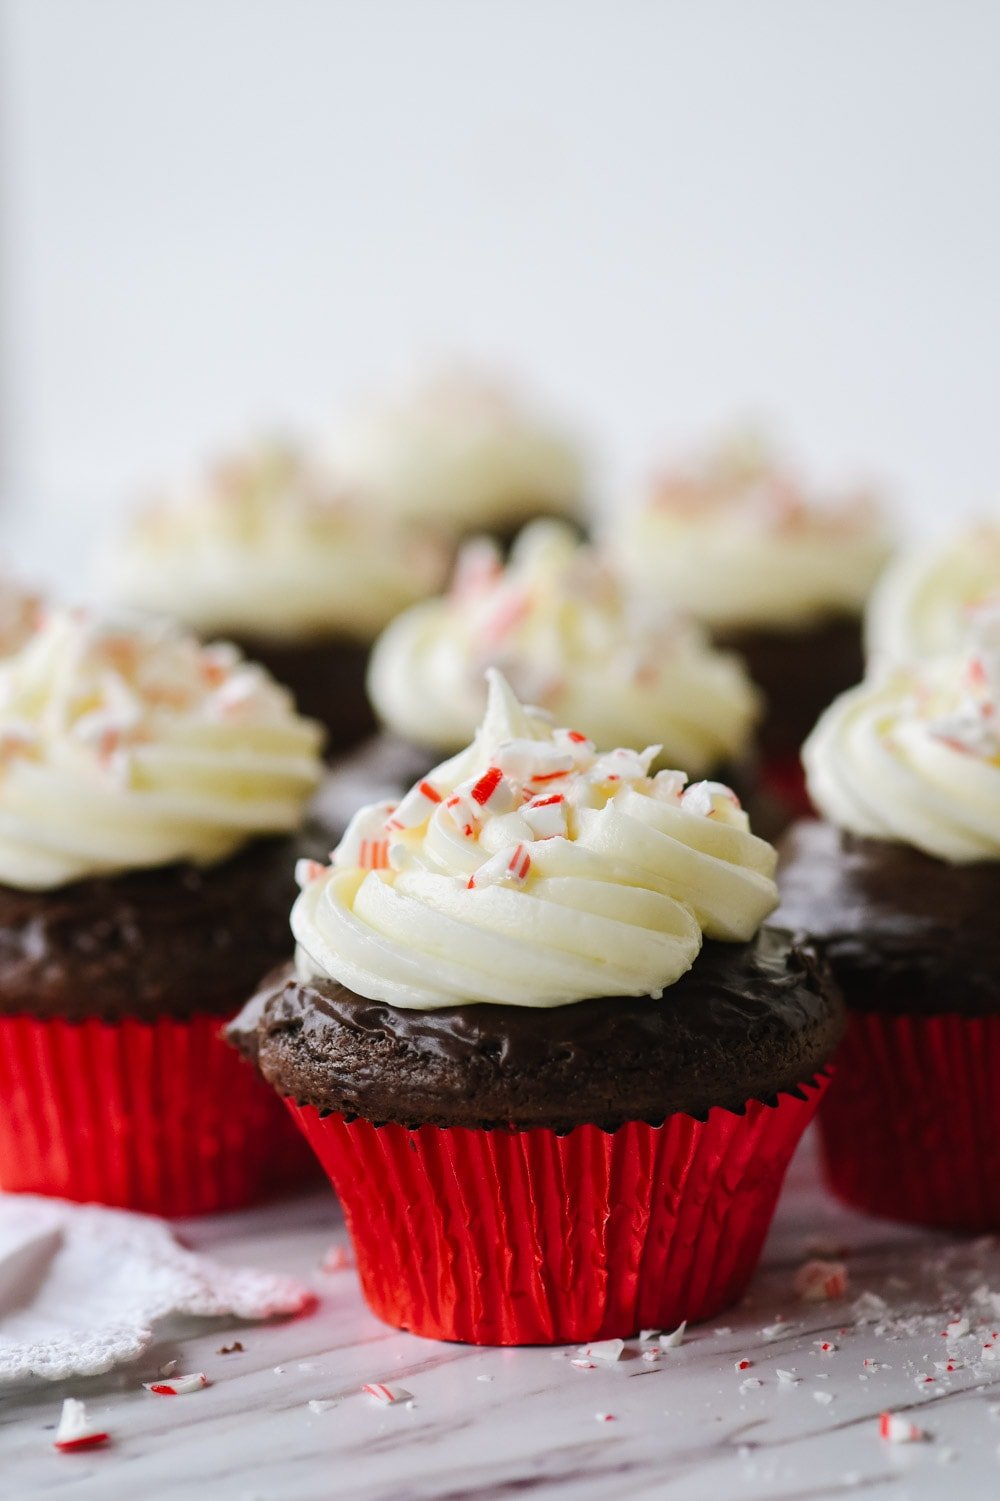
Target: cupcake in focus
x=899 y=889
x=463 y=453
x=928 y=598
x=776 y=574
x=151 y=794
x=536 y=1029
x=561 y=627
x=272 y=552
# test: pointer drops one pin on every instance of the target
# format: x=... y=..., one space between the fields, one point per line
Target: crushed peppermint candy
x=823 y=1398
x=386 y=1394
x=896 y=1429
x=321 y=1404
x=671 y=1340
x=178 y=1386
x=75 y=1431
x=820 y=1281
x=743 y=1365
x=787 y=1377
x=605 y=1350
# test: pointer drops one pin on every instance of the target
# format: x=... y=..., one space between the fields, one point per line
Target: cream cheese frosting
x=461 y=451
x=561 y=626
x=274 y=544
x=21 y=613
x=532 y=870
x=125 y=745
x=913 y=753
x=926 y=599
x=738 y=542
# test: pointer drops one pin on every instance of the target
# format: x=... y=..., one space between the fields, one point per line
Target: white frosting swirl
x=131 y=745
x=460 y=451
x=925 y=600
x=561 y=627
x=531 y=871
x=21 y=613
x=738 y=543
x=271 y=544
x=913 y=753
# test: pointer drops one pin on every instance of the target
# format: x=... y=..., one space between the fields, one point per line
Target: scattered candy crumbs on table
x=607 y=1351
x=387 y=1395
x=742 y=1365
x=820 y=1281
x=321 y=1404
x=896 y=1429
x=605 y=1417
x=75 y=1431
x=824 y=1398
x=178 y=1386
x=675 y=1337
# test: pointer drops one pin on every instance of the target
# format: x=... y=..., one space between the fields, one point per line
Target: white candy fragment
x=957 y=1329
x=321 y=1404
x=388 y=1395
x=896 y=1429
x=75 y=1430
x=671 y=1340
x=787 y=1377
x=178 y=1386
x=607 y=1351
x=823 y=1398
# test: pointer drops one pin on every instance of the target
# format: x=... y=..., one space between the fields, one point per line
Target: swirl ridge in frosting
x=125 y=745
x=532 y=870
x=926 y=600
x=563 y=629
x=913 y=753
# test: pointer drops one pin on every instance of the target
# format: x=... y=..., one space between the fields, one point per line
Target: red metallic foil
x=910 y=1127
x=160 y=1116
x=526 y=1237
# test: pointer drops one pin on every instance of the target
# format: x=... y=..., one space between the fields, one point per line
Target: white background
x=220 y=213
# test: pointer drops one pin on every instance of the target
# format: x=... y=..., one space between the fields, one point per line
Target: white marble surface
x=683 y=1429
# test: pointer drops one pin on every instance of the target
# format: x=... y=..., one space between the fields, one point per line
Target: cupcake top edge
x=127 y=744
x=913 y=753
x=570 y=637
x=532 y=870
x=461 y=449
x=926 y=599
x=272 y=542
x=739 y=540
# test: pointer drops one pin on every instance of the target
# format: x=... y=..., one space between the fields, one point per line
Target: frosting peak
x=739 y=541
x=559 y=622
x=127 y=745
x=532 y=870
x=271 y=542
x=913 y=753
x=925 y=601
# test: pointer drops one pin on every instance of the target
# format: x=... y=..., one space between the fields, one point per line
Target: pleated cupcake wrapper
x=159 y=1116
x=910 y=1126
x=527 y=1237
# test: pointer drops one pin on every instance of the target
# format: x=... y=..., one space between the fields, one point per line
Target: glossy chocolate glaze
x=747 y=1022
x=800 y=671
x=326 y=675
x=172 y=941
x=902 y=932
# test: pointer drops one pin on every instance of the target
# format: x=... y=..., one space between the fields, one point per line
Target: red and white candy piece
x=178 y=1386
x=365 y=844
x=386 y=1394
x=465 y=814
x=545 y=815
x=534 y=762
x=820 y=1281
x=897 y=1429
x=75 y=1431
x=493 y=792
x=477 y=566
x=510 y=867
x=307 y=871
x=574 y=740
x=415 y=808
x=700 y=797
x=607 y=1351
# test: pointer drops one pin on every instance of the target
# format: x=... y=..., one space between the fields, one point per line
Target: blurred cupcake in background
x=150 y=810
x=560 y=625
x=775 y=573
x=271 y=551
x=899 y=888
x=550 y=1059
x=461 y=452
x=927 y=599
x=21 y=612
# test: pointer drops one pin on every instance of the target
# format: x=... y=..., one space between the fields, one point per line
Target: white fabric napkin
x=81 y=1287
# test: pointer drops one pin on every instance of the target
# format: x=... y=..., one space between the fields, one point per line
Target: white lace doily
x=81 y=1287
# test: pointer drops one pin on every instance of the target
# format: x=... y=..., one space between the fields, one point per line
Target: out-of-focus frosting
x=272 y=544
x=21 y=613
x=562 y=628
x=925 y=600
x=128 y=745
x=737 y=542
x=531 y=871
x=460 y=451
x=913 y=754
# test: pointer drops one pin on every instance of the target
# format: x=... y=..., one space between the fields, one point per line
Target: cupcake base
x=530 y=1237
x=159 y=1116
x=910 y=1128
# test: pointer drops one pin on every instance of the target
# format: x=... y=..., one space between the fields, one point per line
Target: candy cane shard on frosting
x=531 y=870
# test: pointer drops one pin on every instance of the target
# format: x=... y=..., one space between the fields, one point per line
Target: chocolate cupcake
x=536 y=1029
x=775 y=574
x=149 y=802
x=560 y=625
x=927 y=599
x=275 y=553
x=898 y=889
x=462 y=453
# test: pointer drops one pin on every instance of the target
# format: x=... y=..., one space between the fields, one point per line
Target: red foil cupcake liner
x=526 y=1237
x=910 y=1127
x=782 y=779
x=159 y=1116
